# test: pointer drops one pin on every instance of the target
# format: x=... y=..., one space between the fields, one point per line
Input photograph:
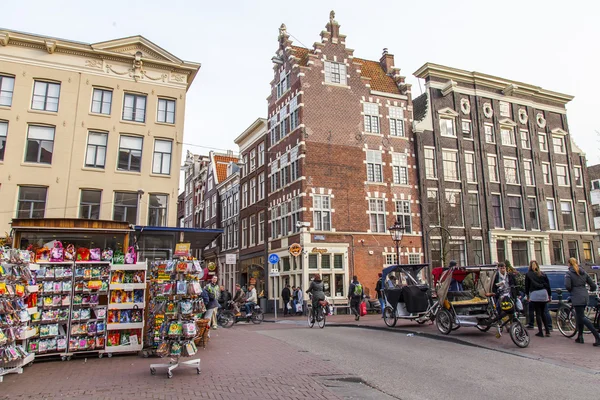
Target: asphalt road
x=414 y=367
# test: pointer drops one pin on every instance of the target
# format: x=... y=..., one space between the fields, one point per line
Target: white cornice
x=507 y=121
x=391 y=95
x=477 y=78
x=559 y=131
x=496 y=96
x=448 y=111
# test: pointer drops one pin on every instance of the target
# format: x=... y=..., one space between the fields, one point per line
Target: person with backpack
x=356 y=295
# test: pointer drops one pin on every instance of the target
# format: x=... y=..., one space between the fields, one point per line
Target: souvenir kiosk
x=91 y=289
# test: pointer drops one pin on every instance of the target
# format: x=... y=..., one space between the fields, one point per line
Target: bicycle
x=321 y=316
x=565 y=316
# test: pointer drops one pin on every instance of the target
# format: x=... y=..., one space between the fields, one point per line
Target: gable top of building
x=594 y=172
x=379 y=79
x=257 y=130
x=507 y=86
x=220 y=163
x=126 y=49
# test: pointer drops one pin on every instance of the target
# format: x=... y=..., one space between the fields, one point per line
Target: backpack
x=358 y=290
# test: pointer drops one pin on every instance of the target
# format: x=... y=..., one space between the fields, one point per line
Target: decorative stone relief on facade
x=136 y=71
x=488 y=111
x=541 y=121
x=523 y=116
x=178 y=77
x=465 y=106
x=93 y=64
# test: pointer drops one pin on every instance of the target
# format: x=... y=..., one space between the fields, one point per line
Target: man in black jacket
x=286 y=294
x=224 y=297
x=378 y=289
x=356 y=295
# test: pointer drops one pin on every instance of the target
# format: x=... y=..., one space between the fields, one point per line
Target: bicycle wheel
x=311 y=321
x=321 y=319
x=389 y=317
x=565 y=320
x=443 y=320
x=519 y=334
x=226 y=319
x=258 y=317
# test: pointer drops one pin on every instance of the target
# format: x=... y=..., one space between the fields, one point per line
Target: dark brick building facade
x=498 y=172
x=341 y=164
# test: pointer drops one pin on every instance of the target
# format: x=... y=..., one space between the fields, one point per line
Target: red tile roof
x=221 y=163
x=380 y=81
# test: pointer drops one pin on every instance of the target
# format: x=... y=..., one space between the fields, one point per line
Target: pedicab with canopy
x=412 y=301
x=477 y=308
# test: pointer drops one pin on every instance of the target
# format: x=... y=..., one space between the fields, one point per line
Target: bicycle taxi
x=477 y=307
x=412 y=301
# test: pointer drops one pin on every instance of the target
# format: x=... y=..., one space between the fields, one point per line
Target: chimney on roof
x=387 y=61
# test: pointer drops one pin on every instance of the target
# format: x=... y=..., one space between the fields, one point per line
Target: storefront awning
x=197 y=237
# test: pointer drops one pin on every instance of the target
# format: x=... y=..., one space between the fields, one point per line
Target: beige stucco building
x=90 y=130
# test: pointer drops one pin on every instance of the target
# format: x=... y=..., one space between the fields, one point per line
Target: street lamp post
x=397 y=231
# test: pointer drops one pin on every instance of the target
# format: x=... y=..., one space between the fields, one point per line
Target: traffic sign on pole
x=273 y=258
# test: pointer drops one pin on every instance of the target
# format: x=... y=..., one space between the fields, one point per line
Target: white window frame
x=252 y=191
x=335 y=73
x=516 y=165
x=545 y=141
x=529 y=173
x=321 y=213
x=567 y=178
x=473 y=177
x=511 y=140
x=525 y=139
x=252 y=231
x=466 y=133
x=489 y=133
x=562 y=146
x=561 y=201
x=379 y=214
x=372 y=123
x=375 y=162
x=245 y=195
x=522 y=214
x=496 y=178
x=165 y=116
x=554 y=215
x=396 y=115
x=434 y=162
x=504 y=109
x=252 y=160
x=587 y=218
x=469 y=193
x=501 y=212
x=578 y=175
x=546 y=172
x=400 y=211
x=244 y=232
x=446 y=122
x=214 y=205
x=537 y=212
x=448 y=162
x=457 y=194
x=261 y=186
x=400 y=168
x=261 y=227
x=261 y=154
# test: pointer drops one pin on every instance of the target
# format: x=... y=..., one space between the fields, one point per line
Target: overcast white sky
x=552 y=44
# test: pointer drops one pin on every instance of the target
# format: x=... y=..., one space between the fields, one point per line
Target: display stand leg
x=175 y=363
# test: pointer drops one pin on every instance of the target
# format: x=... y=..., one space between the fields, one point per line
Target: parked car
x=556 y=276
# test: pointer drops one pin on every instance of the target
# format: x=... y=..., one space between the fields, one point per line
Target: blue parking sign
x=273 y=258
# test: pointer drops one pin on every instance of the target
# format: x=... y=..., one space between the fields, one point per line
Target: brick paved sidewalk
x=556 y=349
x=237 y=363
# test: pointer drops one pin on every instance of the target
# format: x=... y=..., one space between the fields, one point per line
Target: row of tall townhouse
x=90 y=130
x=477 y=169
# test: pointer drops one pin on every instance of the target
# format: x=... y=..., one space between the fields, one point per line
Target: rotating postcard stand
x=176 y=307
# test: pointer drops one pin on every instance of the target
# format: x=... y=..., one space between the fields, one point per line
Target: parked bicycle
x=565 y=315
x=321 y=313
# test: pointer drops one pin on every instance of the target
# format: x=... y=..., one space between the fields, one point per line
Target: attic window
x=335 y=73
x=284 y=84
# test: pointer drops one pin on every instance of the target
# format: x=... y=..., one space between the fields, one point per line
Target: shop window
x=313 y=261
x=126 y=205
x=157 y=210
x=520 y=255
x=338 y=261
x=32 y=202
x=326 y=261
x=557 y=250
x=339 y=285
x=134 y=107
x=537 y=247
x=45 y=96
x=130 y=153
x=327 y=284
x=101 y=101
x=89 y=206
x=286 y=263
x=40 y=144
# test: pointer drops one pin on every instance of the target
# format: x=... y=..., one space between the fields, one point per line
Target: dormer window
x=335 y=73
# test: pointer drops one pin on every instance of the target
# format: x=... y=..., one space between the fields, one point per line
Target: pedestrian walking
x=379 y=292
x=299 y=301
x=355 y=295
x=575 y=282
x=212 y=290
x=537 y=287
x=286 y=294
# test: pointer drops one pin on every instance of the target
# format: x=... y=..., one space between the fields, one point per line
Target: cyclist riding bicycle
x=317 y=290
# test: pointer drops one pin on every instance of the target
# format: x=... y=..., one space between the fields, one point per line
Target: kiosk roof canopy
x=198 y=238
